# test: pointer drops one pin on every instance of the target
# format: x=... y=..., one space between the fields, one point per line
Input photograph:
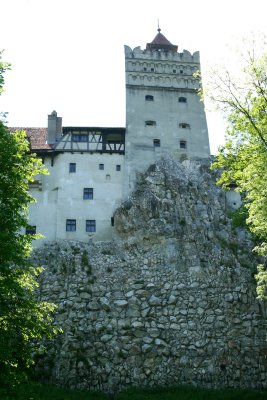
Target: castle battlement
x=93 y=169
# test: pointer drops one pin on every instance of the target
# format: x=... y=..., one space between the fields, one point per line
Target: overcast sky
x=68 y=55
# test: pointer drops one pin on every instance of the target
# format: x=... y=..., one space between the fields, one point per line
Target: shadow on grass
x=36 y=391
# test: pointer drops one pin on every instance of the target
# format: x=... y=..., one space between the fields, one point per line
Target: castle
x=92 y=169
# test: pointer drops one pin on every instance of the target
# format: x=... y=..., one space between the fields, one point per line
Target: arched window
x=182 y=100
x=184 y=125
x=150 y=123
x=149 y=97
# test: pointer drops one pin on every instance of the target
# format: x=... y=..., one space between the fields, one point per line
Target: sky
x=68 y=55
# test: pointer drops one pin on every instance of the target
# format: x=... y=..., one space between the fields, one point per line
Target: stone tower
x=163 y=110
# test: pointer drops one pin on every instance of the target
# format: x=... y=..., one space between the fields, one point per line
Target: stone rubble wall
x=170 y=301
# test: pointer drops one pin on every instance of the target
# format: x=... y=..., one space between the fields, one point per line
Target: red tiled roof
x=160 y=39
x=37 y=137
x=160 y=42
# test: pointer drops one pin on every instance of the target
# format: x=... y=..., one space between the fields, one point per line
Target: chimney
x=54 y=128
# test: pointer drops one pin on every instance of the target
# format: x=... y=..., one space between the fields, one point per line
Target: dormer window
x=149 y=97
x=150 y=123
x=184 y=125
x=182 y=100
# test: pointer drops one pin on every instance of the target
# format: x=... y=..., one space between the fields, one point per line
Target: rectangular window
x=184 y=126
x=101 y=166
x=182 y=144
x=90 y=225
x=150 y=123
x=118 y=167
x=30 y=230
x=72 y=167
x=71 y=225
x=79 y=137
x=112 y=221
x=156 y=142
x=88 y=193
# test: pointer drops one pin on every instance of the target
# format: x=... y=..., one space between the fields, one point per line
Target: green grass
x=47 y=392
x=191 y=393
x=35 y=391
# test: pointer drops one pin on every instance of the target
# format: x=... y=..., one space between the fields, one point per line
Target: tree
x=23 y=319
x=242 y=97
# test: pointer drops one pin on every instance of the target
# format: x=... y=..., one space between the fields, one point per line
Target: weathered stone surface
x=171 y=301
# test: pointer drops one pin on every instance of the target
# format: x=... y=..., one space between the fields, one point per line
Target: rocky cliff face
x=170 y=301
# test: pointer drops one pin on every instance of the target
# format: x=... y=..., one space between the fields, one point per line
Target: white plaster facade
x=164 y=116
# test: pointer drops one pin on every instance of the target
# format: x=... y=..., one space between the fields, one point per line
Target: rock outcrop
x=170 y=301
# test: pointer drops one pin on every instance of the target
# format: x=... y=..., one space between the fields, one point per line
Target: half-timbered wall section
x=97 y=140
x=93 y=169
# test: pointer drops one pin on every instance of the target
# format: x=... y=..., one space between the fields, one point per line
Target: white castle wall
x=167 y=76
x=61 y=197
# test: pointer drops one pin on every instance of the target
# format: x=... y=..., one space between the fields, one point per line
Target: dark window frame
x=71 y=225
x=30 y=230
x=90 y=225
x=88 y=193
x=72 y=167
x=149 y=97
x=150 y=123
x=118 y=167
x=182 y=99
x=101 y=167
x=183 y=144
x=156 y=142
x=184 y=125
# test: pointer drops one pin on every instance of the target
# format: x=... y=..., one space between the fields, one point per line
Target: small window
x=150 y=123
x=149 y=97
x=181 y=71
x=174 y=71
x=183 y=144
x=112 y=221
x=30 y=230
x=156 y=142
x=71 y=225
x=101 y=166
x=152 y=69
x=107 y=177
x=72 y=167
x=90 y=225
x=145 y=68
x=88 y=193
x=79 y=137
x=118 y=167
x=182 y=100
x=183 y=125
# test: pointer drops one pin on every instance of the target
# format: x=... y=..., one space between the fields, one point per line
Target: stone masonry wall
x=170 y=301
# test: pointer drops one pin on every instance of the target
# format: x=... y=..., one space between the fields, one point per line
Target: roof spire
x=161 y=43
x=158 y=27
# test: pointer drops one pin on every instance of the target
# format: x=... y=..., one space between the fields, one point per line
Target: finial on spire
x=158 y=27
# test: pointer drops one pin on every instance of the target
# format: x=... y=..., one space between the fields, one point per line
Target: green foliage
x=239 y=217
x=23 y=319
x=243 y=158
